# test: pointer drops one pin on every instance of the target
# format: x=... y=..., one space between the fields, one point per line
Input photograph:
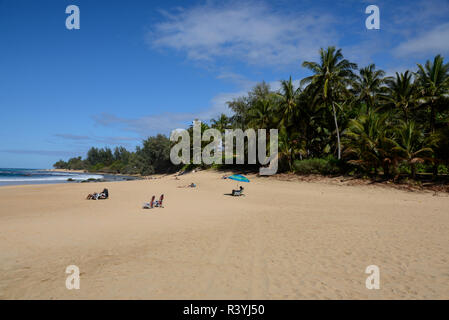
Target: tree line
x=340 y=119
x=152 y=157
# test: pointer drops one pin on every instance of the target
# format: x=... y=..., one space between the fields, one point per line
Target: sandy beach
x=283 y=240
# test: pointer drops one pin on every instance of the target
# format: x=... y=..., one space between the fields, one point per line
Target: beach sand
x=283 y=240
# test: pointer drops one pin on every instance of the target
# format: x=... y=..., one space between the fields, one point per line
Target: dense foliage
x=152 y=157
x=341 y=118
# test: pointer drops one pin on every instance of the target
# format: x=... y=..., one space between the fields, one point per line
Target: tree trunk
x=386 y=168
x=338 y=132
x=432 y=118
x=290 y=162
x=405 y=115
x=435 y=170
x=413 y=171
x=432 y=131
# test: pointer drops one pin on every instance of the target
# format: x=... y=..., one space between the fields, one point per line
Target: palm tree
x=285 y=150
x=260 y=115
x=367 y=143
x=222 y=123
x=433 y=82
x=332 y=78
x=287 y=104
x=285 y=115
x=401 y=93
x=310 y=133
x=369 y=84
x=410 y=145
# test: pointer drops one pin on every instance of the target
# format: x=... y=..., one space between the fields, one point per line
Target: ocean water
x=35 y=176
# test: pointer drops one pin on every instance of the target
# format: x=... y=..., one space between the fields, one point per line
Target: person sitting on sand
x=238 y=192
x=154 y=203
x=158 y=203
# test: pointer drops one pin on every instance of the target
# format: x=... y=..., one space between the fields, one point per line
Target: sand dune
x=284 y=240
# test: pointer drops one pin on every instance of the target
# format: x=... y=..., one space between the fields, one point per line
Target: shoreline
x=96 y=172
x=91 y=172
x=65 y=170
x=45 y=177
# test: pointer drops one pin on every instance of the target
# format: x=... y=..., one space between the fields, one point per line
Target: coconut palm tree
x=401 y=93
x=433 y=84
x=285 y=148
x=369 y=84
x=222 y=123
x=261 y=114
x=331 y=80
x=312 y=136
x=410 y=145
x=287 y=104
x=367 y=143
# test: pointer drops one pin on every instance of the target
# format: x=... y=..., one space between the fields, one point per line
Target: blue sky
x=136 y=68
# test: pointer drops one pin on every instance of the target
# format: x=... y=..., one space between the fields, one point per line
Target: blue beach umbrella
x=238 y=177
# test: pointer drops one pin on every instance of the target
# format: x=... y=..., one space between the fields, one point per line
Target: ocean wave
x=57 y=177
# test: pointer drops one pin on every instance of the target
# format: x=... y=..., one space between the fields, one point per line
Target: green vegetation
x=340 y=119
x=152 y=157
x=317 y=166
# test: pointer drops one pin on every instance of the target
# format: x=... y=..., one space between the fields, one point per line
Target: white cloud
x=146 y=125
x=96 y=139
x=53 y=153
x=168 y=121
x=431 y=42
x=165 y=122
x=276 y=85
x=411 y=16
x=239 y=80
x=251 y=32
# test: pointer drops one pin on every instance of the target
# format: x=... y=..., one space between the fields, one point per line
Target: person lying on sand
x=91 y=196
x=192 y=185
x=98 y=196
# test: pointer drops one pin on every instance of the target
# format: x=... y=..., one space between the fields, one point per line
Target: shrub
x=190 y=166
x=442 y=169
x=316 y=166
x=97 y=167
x=116 y=167
x=147 y=170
